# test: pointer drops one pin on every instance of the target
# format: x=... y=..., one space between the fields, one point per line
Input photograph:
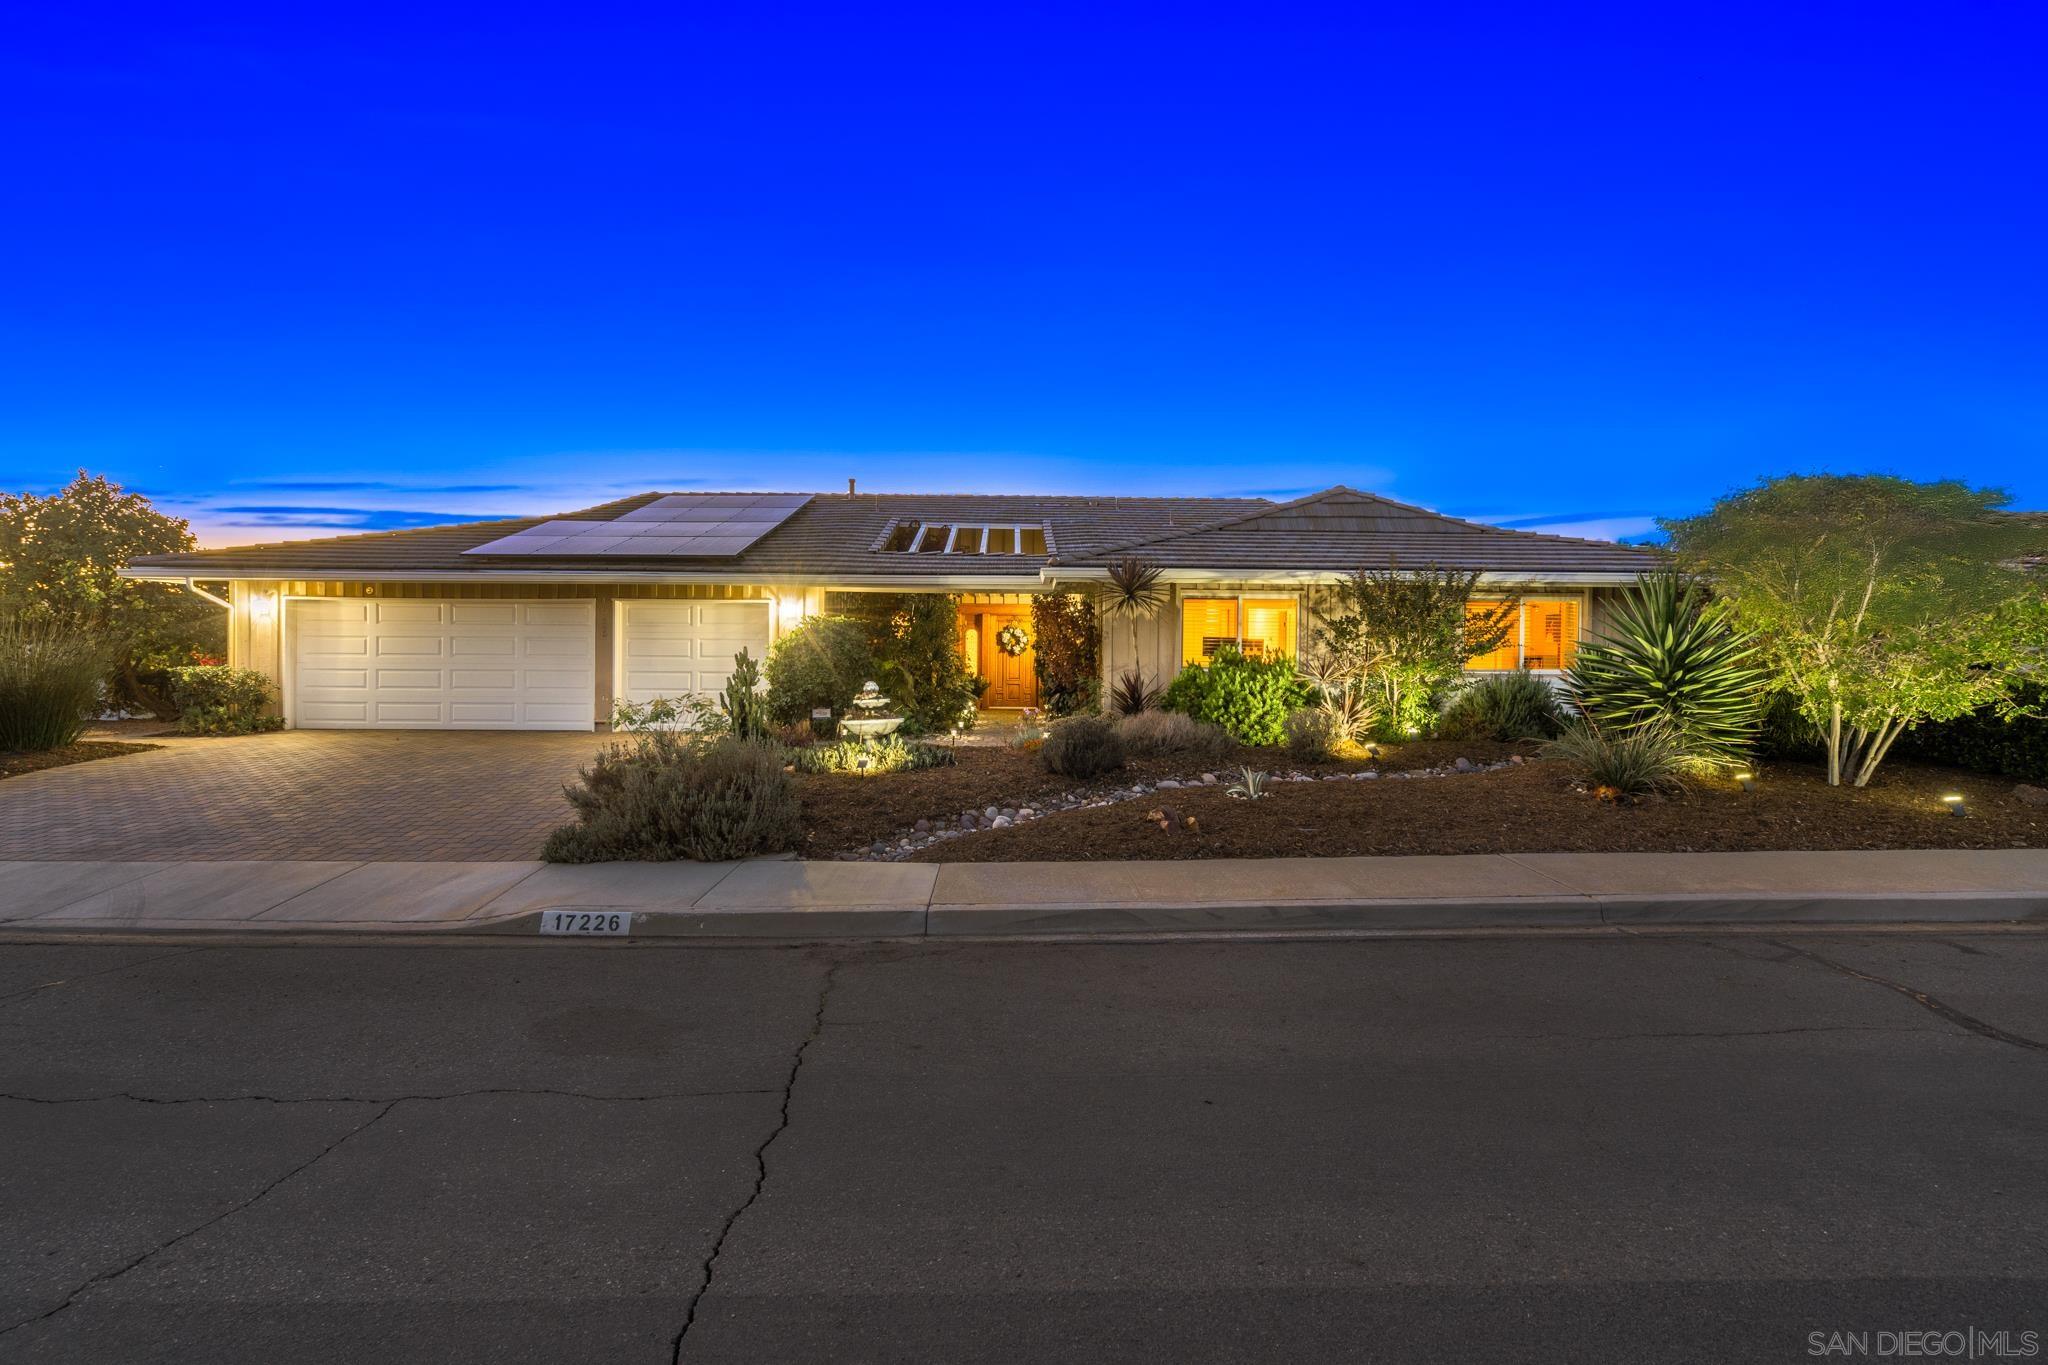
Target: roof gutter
x=1317 y=577
x=192 y=586
x=960 y=583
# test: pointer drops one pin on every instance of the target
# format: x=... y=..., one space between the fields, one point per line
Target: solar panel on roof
x=679 y=525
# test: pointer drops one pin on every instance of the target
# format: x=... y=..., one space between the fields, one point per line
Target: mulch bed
x=845 y=812
x=85 y=751
x=1534 y=808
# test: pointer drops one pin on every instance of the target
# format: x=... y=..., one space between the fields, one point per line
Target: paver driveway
x=384 y=795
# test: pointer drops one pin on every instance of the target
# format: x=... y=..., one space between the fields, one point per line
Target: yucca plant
x=1134 y=589
x=1250 y=785
x=1635 y=762
x=1668 y=657
x=50 y=676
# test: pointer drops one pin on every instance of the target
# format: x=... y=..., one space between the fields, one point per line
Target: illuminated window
x=1550 y=633
x=1508 y=655
x=1263 y=627
x=1002 y=540
x=1544 y=636
x=940 y=537
x=1032 y=540
x=967 y=540
x=901 y=536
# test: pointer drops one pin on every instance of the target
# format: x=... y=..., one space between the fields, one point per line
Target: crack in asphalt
x=108 y=1276
x=796 y=1065
x=378 y=1099
x=1922 y=999
x=104 y=971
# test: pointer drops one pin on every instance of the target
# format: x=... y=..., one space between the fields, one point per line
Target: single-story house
x=539 y=624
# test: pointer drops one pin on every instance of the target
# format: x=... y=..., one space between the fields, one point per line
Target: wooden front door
x=1012 y=678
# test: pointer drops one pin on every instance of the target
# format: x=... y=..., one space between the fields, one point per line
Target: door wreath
x=1012 y=640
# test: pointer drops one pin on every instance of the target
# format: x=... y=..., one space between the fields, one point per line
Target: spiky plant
x=1132 y=693
x=1668 y=657
x=1633 y=762
x=1133 y=590
x=1250 y=785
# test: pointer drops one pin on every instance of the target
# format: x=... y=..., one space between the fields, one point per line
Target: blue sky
x=295 y=270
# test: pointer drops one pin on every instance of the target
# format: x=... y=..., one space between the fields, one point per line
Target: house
x=538 y=624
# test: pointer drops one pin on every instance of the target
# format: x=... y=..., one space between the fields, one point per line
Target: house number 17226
x=586 y=921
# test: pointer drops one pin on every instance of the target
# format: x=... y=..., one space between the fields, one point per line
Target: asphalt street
x=1613 y=1148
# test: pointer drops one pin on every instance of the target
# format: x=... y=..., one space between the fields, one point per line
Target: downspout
x=192 y=586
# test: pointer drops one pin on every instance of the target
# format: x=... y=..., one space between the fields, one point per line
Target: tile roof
x=839 y=535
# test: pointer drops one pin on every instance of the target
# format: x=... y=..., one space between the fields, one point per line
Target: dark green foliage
x=914 y=639
x=1249 y=698
x=1132 y=693
x=889 y=754
x=1985 y=743
x=1784 y=732
x=1667 y=657
x=1407 y=634
x=1067 y=653
x=1634 y=762
x=50 y=679
x=1504 y=706
x=213 y=700
x=1311 y=733
x=745 y=710
x=821 y=663
x=662 y=796
x=1083 y=746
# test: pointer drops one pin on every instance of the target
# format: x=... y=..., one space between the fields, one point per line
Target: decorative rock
x=1209 y=779
x=1003 y=822
x=2033 y=796
x=1463 y=765
x=922 y=826
x=1515 y=758
x=967 y=821
x=1168 y=784
x=990 y=814
x=1010 y=811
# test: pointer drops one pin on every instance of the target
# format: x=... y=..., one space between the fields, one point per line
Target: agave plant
x=1250 y=785
x=1667 y=657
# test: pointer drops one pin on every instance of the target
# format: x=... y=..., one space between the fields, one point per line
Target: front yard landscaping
x=83 y=751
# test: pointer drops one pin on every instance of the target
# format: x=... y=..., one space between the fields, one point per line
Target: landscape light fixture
x=1956 y=805
x=262 y=606
x=1747 y=779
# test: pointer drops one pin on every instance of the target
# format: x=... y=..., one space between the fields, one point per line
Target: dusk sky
x=304 y=270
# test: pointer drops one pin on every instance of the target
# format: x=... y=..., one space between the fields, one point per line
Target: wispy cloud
x=339 y=518
x=375 y=486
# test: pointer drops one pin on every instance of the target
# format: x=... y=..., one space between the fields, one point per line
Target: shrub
x=1132 y=693
x=2016 y=746
x=1505 y=706
x=213 y=700
x=1067 y=653
x=1169 y=734
x=1407 y=634
x=662 y=796
x=1632 y=762
x=819 y=664
x=1311 y=734
x=1669 y=658
x=886 y=755
x=49 y=683
x=1083 y=746
x=922 y=668
x=1249 y=698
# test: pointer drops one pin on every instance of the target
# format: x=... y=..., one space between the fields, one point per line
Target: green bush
x=662 y=796
x=886 y=755
x=1083 y=746
x=1311 y=733
x=1249 y=698
x=1633 y=762
x=1066 y=653
x=1668 y=657
x=215 y=700
x=1169 y=734
x=922 y=669
x=1982 y=742
x=1505 y=706
x=821 y=663
x=49 y=683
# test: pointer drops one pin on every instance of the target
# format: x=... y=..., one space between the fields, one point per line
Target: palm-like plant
x=1669 y=658
x=1133 y=590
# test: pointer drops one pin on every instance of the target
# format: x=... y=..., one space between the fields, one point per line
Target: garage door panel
x=444 y=664
x=683 y=649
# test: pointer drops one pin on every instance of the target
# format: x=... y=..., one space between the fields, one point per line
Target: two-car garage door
x=425 y=664
x=364 y=663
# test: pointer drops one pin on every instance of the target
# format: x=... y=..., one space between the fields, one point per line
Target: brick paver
x=384 y=795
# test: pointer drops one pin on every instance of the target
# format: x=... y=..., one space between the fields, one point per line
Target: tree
x=1880 y=603
x=1134 y=588
x=1066 y=653
x=59 y=561
x=1407 y=634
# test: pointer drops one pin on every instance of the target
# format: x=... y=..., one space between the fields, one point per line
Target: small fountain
x=870 y=725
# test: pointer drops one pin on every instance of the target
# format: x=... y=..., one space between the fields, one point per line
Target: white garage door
x=361 y=663
x=679 y=649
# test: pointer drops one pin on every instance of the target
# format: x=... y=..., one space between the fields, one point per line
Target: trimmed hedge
x=1250 y=698
x=1983 y=743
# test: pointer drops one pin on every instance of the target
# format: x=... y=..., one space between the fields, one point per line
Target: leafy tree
x=1066 y=653
x=1668 y=656
x=1880 y=602
x=1408 y=633
x=59 y=557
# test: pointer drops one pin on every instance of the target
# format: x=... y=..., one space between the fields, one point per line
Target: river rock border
x=925 y=833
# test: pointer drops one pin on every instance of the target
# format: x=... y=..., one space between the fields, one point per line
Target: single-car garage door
x=362 y=663
x=681 y=649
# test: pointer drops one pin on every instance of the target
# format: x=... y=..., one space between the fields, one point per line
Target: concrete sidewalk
x=814 y=900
